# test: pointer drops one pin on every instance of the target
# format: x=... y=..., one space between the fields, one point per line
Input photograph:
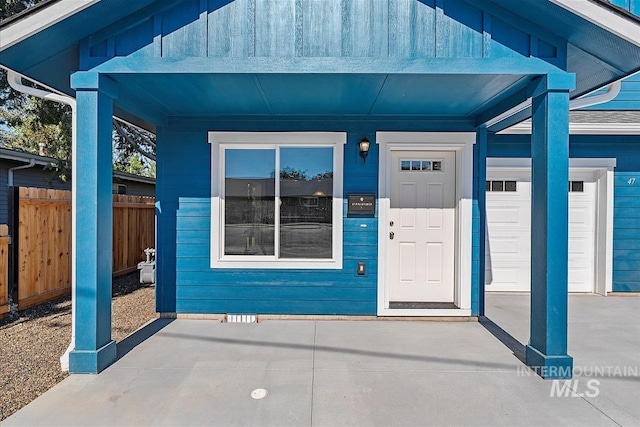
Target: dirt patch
x=31 y=345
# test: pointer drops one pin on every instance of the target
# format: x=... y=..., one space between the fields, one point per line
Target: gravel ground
x=31 y=345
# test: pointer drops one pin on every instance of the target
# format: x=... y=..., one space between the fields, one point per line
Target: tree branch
x=135 y=144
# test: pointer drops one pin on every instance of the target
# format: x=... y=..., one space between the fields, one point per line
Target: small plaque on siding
x=361 y=204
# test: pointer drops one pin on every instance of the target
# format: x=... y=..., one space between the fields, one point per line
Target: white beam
x=604 y=18
x=40 y=19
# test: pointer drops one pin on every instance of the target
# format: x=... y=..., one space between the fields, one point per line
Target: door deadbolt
x=390 y=223
x=391 y=235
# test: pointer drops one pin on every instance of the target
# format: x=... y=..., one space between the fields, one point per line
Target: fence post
x=14 y=226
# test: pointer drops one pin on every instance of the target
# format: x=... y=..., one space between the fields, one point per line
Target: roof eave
x=32 y=21
x=624 y=26
x=131 y=177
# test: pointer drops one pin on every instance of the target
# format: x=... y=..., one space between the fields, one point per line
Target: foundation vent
x=242 y=318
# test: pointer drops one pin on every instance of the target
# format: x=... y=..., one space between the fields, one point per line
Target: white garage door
x=508 y=254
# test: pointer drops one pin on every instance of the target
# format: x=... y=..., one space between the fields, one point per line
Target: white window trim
x=222 y=140
x=462 y=144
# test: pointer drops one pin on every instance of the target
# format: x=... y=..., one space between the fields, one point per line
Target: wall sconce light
x=364 y=149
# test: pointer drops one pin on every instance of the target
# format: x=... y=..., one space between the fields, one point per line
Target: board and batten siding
x=328 y=28
x=188 y=284
x=626 y=195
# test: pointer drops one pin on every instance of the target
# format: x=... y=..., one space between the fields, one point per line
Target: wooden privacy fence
x=4 y=269
x=44 y=241
x=133 y=231
x=44 y=245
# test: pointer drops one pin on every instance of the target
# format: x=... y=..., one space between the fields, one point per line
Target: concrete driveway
x=335 y=373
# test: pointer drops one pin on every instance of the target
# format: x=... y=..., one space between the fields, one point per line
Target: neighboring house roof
x=237 y=187
x=22 y=156
x=593 y=122
x=605 y=117
x=125 y=176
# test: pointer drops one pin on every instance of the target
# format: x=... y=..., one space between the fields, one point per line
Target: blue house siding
x=628 y=99
x=626 y=204
x=184 y=227
x=626 y=233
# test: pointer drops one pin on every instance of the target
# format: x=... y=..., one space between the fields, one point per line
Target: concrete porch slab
x=328 y=373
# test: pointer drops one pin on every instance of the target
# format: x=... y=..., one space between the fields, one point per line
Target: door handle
x=391 y=235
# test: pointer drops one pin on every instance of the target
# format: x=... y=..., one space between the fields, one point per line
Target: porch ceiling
x=156 y=96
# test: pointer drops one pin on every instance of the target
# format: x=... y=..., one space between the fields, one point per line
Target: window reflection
x=249 y=202
x=306 y=195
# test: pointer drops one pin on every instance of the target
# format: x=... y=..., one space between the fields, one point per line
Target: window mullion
x=276 y=221
x=222 y=189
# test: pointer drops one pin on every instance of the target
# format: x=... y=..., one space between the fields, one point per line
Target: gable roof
x=602 y=42
x=45 y=44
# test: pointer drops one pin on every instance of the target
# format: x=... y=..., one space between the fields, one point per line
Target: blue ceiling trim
x=320 y=123
x=209 y=65
x=537 y=86
x=148 y=124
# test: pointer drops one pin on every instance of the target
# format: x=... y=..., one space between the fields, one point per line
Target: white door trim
x=462 y=144
x=603 y=172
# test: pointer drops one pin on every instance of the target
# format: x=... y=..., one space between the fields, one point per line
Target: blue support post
x=94 y=349
x=479 y=217
x=546 y=352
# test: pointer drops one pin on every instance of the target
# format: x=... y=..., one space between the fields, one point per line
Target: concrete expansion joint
x=257 y=318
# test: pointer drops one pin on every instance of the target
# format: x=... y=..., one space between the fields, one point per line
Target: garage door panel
x=507 y=246
x=508 y=277
x=581 y=218
x=580 y=246
x=578 y=276
x=508 y=255
x=504 y=215
x=508 y=250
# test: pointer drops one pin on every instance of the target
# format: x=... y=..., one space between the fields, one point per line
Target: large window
x=277 y=199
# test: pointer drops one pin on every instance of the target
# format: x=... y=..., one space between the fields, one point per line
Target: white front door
x=421 y=227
